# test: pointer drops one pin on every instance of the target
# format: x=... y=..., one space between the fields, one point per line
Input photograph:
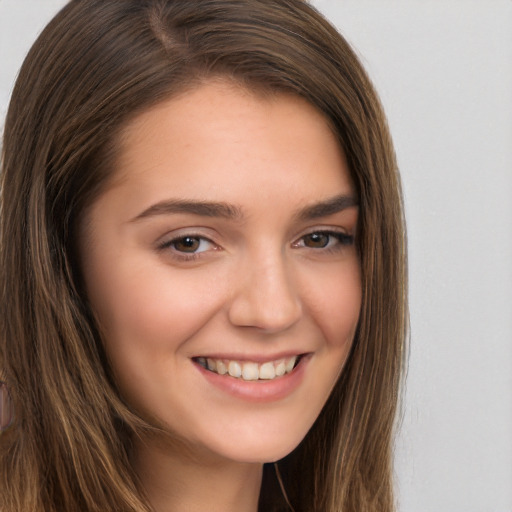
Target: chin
x=259 y=448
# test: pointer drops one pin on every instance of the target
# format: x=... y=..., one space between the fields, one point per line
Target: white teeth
x=249 y=371
x=234 y=369
x=290 y=364
x=267 y=371
x=280 y=369
x=221 y=368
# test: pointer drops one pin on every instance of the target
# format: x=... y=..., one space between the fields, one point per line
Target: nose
x=265 y=297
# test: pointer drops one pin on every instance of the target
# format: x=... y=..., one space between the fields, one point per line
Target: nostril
x=265 y=315
x=266 y=297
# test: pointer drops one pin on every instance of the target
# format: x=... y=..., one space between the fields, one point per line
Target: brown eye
x=316 y=240
x=328 y=240
x=187 y=244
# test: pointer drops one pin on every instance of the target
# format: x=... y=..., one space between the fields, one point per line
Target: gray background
x=444 y=72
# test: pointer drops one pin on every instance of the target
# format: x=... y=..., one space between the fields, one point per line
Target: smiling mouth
x=250 y=371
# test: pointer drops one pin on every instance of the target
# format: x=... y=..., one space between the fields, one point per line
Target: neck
x=176 y=478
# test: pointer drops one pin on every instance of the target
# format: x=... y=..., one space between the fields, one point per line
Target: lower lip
x=258 y=390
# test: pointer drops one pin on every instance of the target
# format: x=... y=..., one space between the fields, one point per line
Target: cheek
x=147 y=314
x=146 y=310
x=334 y=301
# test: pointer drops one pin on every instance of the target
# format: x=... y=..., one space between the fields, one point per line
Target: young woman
x=202 y=265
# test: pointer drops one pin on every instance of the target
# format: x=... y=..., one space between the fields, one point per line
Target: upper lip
x=255 y=358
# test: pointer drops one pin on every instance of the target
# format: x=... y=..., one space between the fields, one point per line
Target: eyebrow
x=228 y=211
x=200 y=208
x=328 y=207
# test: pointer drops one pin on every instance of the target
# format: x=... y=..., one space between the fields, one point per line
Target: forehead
x=222 y=141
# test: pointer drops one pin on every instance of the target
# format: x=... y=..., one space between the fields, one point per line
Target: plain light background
x=444 y=72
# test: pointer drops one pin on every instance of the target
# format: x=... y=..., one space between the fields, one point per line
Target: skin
x=255 y=286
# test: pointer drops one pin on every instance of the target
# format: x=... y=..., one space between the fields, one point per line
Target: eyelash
x=184 y=256
x=343 y=240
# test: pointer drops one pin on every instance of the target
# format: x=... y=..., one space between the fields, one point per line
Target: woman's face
x=221 y=266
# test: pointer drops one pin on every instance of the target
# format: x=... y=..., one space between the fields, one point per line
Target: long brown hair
x=96 y=65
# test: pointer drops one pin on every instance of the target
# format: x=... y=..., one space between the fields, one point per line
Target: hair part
x=94 y=68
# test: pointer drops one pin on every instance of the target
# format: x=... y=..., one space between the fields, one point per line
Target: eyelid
x=165 y=243
x=331 y=231
x=325 y=229
x=192 y=231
